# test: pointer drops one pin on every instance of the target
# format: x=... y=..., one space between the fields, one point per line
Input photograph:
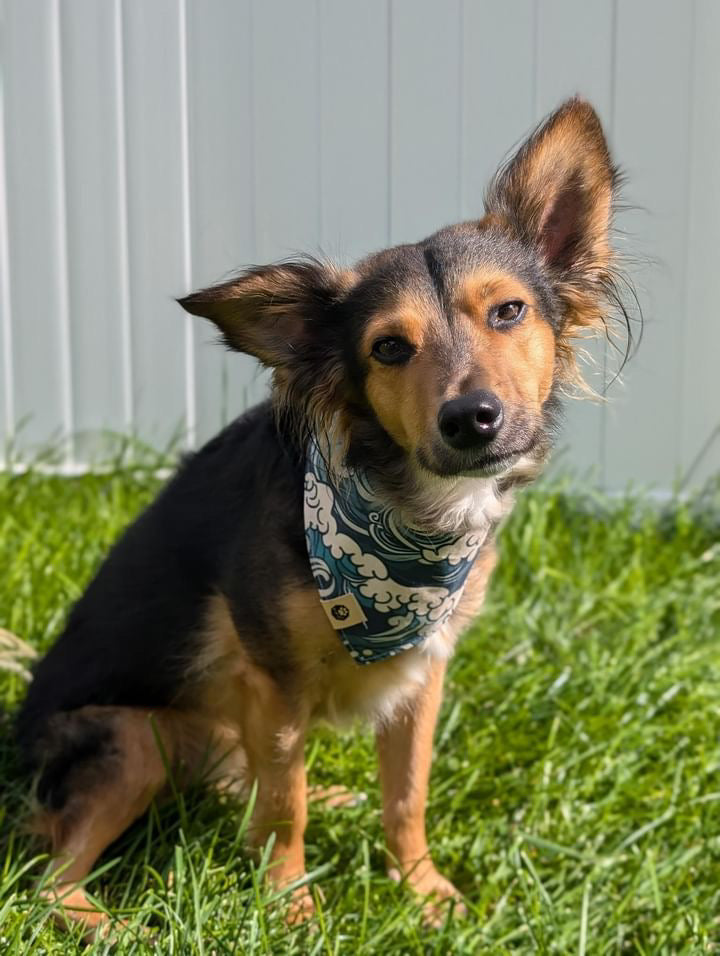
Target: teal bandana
x=384 y=586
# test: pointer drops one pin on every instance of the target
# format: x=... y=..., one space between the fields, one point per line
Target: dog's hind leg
x=104 y=766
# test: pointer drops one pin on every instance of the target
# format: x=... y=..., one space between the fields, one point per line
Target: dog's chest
x=330 y=681
x=332 y=684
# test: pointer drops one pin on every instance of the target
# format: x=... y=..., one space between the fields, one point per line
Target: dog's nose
x=471 y=420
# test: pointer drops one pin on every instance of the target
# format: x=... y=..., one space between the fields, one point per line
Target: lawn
x=575 y=793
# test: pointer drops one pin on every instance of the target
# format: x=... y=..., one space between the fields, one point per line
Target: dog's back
x=131 y=639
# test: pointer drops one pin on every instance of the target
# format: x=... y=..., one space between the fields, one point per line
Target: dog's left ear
x=274 y=312
x=556 y=193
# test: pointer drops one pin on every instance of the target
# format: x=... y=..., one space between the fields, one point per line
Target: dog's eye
x=392 y=351
x=508 y=313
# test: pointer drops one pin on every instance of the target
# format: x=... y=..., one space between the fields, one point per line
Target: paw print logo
x=339 y=612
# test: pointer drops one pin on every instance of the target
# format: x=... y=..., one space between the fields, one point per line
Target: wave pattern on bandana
x=384 y=586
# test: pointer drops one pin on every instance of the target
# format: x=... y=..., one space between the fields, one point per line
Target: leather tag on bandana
x=343 y=611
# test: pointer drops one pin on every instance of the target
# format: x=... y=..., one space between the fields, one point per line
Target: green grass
x=575 y=794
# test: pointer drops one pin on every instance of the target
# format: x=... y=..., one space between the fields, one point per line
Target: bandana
x=385 y=587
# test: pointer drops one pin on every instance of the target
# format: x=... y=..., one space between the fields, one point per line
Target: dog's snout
x=471 y=420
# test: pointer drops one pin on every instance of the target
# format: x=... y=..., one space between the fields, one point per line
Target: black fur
x=131 y=636
x=77 y=746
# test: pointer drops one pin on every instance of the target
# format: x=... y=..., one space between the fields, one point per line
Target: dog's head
x=450 y=352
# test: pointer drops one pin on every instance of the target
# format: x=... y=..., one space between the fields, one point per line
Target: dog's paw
x=72 y=907
x=438 y=893
x=300 y=907
x=336 y=796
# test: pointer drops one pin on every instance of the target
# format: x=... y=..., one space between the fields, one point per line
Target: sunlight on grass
x=575 y=797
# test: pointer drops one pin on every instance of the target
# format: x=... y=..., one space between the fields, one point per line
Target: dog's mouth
x=490 y=463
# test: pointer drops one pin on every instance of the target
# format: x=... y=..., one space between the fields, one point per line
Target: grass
x=575 y=796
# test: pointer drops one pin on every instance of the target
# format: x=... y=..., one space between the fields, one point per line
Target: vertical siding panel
x=651 y=137
x=61 y=237
x=94 y=233
x=187 y=241
x=497 y=90
x=220 y=123
x=7 y=414
x=354 y=129
x=286 y=156
x=425 y=117
x=701 y=381
x=155 y=216
x=286 y=74
x=34 y=168
x=122 y=216
x=575 y=55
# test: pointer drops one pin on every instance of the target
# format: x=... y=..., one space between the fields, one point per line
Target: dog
x=321 y=556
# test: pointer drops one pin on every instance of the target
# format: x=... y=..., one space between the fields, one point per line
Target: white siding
x=147 y=148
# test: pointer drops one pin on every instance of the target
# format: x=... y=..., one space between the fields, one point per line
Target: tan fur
x=99 y=810
x=518 y=364
x=409 y=318
x=331 y=686
x=394 y=392
x=404 y=748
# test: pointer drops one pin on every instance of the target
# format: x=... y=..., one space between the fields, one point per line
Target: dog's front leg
x=405 y=751
x=274 y=741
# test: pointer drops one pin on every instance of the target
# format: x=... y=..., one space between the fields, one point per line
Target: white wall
x=148 y=146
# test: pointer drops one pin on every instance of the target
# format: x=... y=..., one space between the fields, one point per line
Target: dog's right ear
x=270 y=311
x=557 y=193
